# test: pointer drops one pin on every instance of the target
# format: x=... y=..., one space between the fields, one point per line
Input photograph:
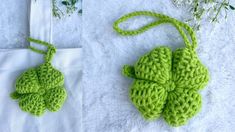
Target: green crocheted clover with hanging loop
x=41 y=87
x=166 y=82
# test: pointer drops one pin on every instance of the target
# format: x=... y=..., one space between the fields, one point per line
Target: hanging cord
x=51 y=50
x=160 y=20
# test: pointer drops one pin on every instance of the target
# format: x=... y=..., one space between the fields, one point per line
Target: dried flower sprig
x=70 y=6
x=210 y=10
x=56 y=10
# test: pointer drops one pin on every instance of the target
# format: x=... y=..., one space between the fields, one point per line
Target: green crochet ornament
x=166 y=82
x=41 y=87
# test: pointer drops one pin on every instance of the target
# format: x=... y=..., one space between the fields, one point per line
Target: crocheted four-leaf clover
x=166 y=83
x=41 y=87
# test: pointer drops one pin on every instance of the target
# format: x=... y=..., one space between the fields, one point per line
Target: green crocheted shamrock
x=166 y=82
x=41 y=87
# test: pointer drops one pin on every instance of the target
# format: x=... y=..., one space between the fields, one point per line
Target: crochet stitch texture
x=166 y=83
x=41 y=87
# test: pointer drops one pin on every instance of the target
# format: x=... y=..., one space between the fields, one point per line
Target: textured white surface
x=14 y=26
x=106 y=106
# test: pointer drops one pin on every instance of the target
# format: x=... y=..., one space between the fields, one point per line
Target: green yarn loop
x=41 y=87
x=161 y=19
x=166 y=82
x=51 y=50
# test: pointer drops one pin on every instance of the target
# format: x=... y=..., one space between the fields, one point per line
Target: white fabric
x=15 y=61
x=41 y=20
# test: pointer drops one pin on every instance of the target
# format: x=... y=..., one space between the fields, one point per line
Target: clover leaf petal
x=148 y=97
x=32 y=103
x=182 y=104
x=49 y=77
x=188 y=71
x=54 y=98
x=155 y=66
x=27 y=82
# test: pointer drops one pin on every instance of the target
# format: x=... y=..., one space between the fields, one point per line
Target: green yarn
x=166 y=82
x=42 y=87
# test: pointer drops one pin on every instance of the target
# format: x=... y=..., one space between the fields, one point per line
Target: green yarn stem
x=161 y=19
x=15 y=95
x=51 y=50
x=166 y=82
x=128 y=71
